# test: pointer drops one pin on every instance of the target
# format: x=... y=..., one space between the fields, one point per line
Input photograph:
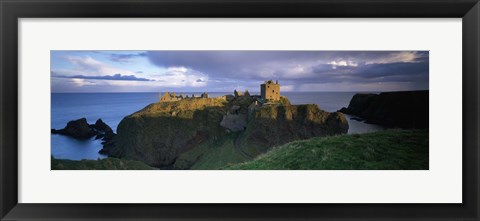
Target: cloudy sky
x=224 y=71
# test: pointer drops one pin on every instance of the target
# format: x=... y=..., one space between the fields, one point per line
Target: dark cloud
x=302 y=66
x=118 y=57
x=221 y=63
x=372 y=73
x=115 y=77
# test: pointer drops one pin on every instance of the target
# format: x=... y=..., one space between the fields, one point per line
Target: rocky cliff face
x=160 y=132
x=275 y=125
x=157 y=134
x=407 y=109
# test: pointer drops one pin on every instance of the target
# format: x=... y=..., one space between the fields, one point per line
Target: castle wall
x=168 y=97
x=263 y=92
x=270 y=91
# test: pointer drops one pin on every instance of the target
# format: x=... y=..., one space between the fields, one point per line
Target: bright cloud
x=181 y=77
x=342 y=63
x=397 y=57
x=89 y=66
x=82 y=82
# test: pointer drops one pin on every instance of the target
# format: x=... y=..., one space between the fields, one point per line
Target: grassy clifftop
x=103 y=164
x=181 y=109
x=385 y=150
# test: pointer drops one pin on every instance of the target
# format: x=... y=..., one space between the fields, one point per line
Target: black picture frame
x=12 y=10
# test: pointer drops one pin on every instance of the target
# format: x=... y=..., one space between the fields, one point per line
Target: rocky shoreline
x=81 y=130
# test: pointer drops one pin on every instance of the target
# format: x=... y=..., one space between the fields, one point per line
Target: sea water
x=113 y=107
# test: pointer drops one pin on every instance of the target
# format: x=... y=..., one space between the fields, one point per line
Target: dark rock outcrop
x=406 y=109
x=234 y=122
x=102 y=126
x=103 y=130
x=78 y=129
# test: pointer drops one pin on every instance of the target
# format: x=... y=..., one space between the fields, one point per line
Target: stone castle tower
x=270 y=90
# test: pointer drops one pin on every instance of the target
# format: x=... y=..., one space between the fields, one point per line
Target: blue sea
x=112 y=107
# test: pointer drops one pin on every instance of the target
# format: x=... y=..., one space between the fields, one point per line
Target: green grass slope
x=385 y=150
x=103 y=164
x=209 y=156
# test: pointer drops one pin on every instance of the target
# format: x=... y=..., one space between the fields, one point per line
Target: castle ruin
x=169 y=97
x=270 y=90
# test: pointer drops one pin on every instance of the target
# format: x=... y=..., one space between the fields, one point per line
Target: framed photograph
x=245 y=110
